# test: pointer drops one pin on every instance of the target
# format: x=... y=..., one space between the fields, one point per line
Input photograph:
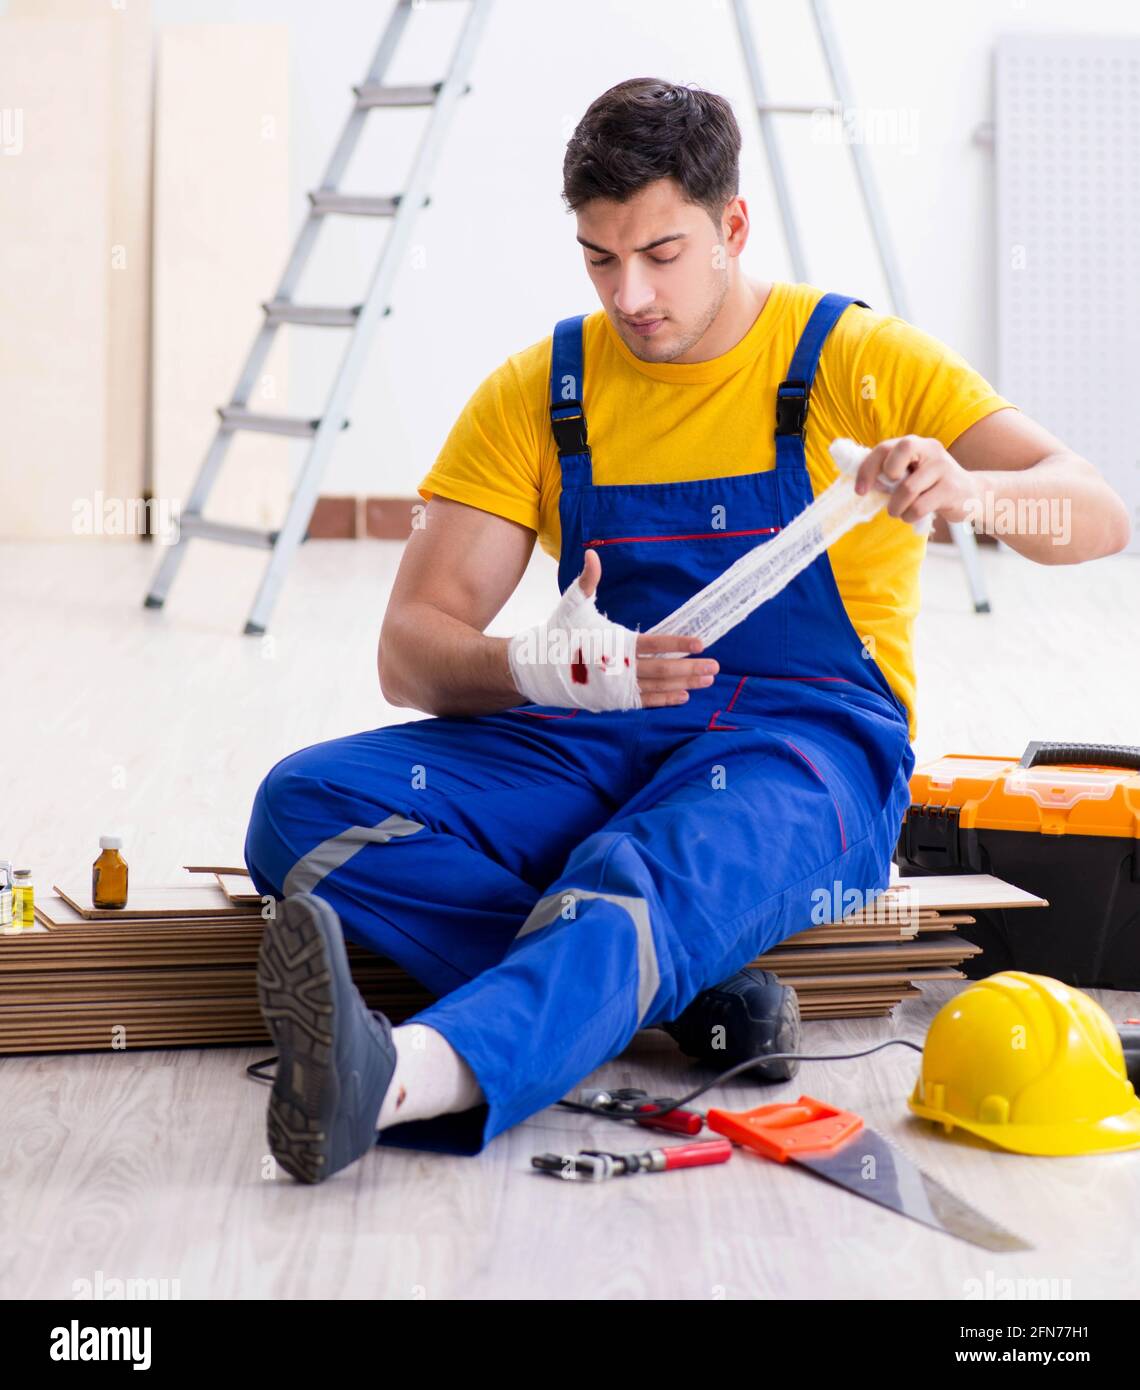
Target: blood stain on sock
x=578 y=673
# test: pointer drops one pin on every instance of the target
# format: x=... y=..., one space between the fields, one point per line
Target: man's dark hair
x=648 y=129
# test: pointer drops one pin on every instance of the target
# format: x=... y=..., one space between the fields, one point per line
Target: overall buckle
x=791 y=407
x=568 y=421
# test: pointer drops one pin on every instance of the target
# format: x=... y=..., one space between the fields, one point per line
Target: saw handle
x=781 y=1132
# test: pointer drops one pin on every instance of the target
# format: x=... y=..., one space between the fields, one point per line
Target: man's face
x=660 y=266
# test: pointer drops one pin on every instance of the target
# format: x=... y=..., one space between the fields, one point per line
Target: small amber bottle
x=109 y=874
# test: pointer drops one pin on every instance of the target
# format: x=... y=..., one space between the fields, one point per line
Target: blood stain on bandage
x=578 y=673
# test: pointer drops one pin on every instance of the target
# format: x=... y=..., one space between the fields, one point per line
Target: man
x=562 y=871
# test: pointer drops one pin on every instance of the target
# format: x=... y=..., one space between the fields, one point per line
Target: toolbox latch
x=929 y=836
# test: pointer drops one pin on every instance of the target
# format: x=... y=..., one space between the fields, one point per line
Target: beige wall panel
x=222 y=229
x=55 y=109
x=128 y=258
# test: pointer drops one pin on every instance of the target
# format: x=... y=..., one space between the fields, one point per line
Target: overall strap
x=567 y=413
x=793 y=395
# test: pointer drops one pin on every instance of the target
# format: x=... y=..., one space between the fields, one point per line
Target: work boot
x=748 y=1015
x=336 y=1057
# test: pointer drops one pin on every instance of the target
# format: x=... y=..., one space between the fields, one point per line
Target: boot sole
x=298 y=1002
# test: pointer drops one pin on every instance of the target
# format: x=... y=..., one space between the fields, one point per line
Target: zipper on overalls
x=694 y=536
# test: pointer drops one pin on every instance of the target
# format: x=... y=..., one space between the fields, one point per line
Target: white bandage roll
x=762 y=572
x=848 y=456
x=578 y=658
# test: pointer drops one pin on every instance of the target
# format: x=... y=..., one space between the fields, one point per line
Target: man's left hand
x=929 y=480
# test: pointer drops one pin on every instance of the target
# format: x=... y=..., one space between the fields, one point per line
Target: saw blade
x=870 y=1167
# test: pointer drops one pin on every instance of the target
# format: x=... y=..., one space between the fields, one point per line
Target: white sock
x=430 y=1078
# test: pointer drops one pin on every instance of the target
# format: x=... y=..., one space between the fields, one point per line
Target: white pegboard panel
x=1067 y=126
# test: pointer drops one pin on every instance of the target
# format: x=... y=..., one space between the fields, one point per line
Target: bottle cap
x=110 y=842
x=22 y=873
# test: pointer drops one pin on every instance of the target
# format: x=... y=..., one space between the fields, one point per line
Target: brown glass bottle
x=109 y=874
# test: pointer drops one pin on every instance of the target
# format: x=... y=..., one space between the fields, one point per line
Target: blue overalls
x=561 y=879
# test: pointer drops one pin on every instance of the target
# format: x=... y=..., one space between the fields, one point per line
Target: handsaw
x=839 y=1147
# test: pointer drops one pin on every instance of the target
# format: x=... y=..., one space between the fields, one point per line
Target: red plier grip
x=694 y=1155
x=673 y=1121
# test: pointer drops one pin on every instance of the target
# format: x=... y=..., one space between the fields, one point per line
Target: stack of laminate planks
x=863 y=964
x=177 y=967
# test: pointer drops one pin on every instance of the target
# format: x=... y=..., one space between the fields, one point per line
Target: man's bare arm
x=1010 y=477
x=456 y=573
x=1017 y=465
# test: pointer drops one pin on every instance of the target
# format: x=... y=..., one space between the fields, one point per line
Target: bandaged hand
x=580 y=659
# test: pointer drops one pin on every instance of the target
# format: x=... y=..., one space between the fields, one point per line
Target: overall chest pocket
x=647 y=573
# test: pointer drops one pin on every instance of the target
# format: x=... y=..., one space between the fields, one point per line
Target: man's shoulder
x=527 y=371
x=848 y=333
x=869 y=341
x=516 y=382
x=856 y=324
x=859 y=330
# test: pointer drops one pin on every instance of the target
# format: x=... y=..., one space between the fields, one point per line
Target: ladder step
x=283 y=311
x=237 y=418
x=195 y=524
x=374 y=94
x=352 y=204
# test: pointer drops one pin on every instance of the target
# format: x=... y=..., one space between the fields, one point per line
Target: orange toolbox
x=1063 y=821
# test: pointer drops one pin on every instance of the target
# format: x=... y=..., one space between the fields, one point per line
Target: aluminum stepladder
x=359 y=320
x=766 y=109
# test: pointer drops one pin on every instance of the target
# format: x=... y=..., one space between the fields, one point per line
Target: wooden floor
x=150 y=1164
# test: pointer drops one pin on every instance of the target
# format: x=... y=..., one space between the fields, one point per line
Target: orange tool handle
x=781 y=1132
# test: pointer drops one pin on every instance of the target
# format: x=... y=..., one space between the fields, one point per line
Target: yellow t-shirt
x=879 y=377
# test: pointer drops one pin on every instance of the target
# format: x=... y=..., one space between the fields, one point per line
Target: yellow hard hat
x=1031 y=1065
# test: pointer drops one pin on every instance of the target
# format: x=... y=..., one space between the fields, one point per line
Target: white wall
x=499 y=261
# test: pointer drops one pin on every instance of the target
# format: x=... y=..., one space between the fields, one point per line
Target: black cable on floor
x=255 y=1070
x=733 y=1071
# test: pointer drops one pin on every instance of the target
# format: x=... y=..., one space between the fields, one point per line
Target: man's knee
x=284 y=800
x=617 y=868
x=279 y=787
